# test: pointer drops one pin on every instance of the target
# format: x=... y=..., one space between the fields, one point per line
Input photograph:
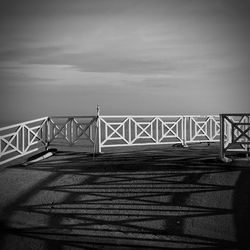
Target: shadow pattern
x=146 y=199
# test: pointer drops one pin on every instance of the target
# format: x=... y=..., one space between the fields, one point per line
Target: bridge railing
x=121 y=131
x=22 y=139
x=235 y=135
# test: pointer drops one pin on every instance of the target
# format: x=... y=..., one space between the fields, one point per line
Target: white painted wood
x=150 y=130
x=19 y=139
x=235 y=134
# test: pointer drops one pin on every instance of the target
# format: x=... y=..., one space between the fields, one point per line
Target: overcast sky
x=61 y=57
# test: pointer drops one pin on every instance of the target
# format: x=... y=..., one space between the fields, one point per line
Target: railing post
x=222 y=143
x=211 y=129
x=1 y=148
x=97 y=144
x=47 y=133
x=222 y=139
x=71 y=126
x=184 y=131
x=248 y=148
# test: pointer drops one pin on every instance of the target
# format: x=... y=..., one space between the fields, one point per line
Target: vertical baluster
x=99 y=134
x=129 y=130
x=1 y=149
x=72 y=130
x=23 y=139
x=135 y=130
x=123 y=129
x=184 y=131
x=222 y=143
x=17 y=140
x=248 y=133
x=106 y=130
x=211 y=129
x=48 y=132
x=157 y=127
x=221 y=137
x=91 y=131
x=162 y=127
x=232 y=132
x=190 y=128
x=182 y=128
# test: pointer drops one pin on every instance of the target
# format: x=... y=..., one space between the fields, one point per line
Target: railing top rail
x=153 y=116
x=22 y=123
x=235 y=114
x=137 y=116
x=74 y=116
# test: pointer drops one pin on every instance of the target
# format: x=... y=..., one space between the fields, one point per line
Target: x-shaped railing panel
x=8 y=140
x=236 y=127
x=200 y=128
x=113 y=130
x=149 y=130
x=203 y=128
x=239 y=131
x=22 y=139
x=171 y=129
x=57 y=130
x=84 y=129
x=143 y=130
x=71 y=129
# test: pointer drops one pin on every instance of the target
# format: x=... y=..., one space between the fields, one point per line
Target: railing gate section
x=72 y=131
x=235 y=135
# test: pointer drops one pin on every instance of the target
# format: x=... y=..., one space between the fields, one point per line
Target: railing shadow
x=242 y=209
x=145 y=199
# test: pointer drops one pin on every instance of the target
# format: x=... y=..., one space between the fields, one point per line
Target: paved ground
x=155 y=198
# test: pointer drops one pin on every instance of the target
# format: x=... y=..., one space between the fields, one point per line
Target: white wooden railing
x=71 y=130
x=235 y=135
x=25 y=138
x=22 y=139
x=117 y=131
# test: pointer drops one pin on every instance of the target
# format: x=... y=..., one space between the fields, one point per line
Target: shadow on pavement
x=242 y=208
x=148 y=199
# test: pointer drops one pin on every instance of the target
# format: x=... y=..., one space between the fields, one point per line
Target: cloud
x=103 y=62
x=20 y=78
x=138 y=61
x=129 y=37
x=164 y=83
x=23 y=54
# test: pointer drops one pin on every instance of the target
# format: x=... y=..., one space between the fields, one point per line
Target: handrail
x=21 y=123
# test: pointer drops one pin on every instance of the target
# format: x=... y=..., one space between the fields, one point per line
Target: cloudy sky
x=64 y=57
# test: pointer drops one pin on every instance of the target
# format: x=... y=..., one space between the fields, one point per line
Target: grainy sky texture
x=64 y=57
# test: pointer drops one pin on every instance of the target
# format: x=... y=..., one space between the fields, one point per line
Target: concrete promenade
x=145 y=198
